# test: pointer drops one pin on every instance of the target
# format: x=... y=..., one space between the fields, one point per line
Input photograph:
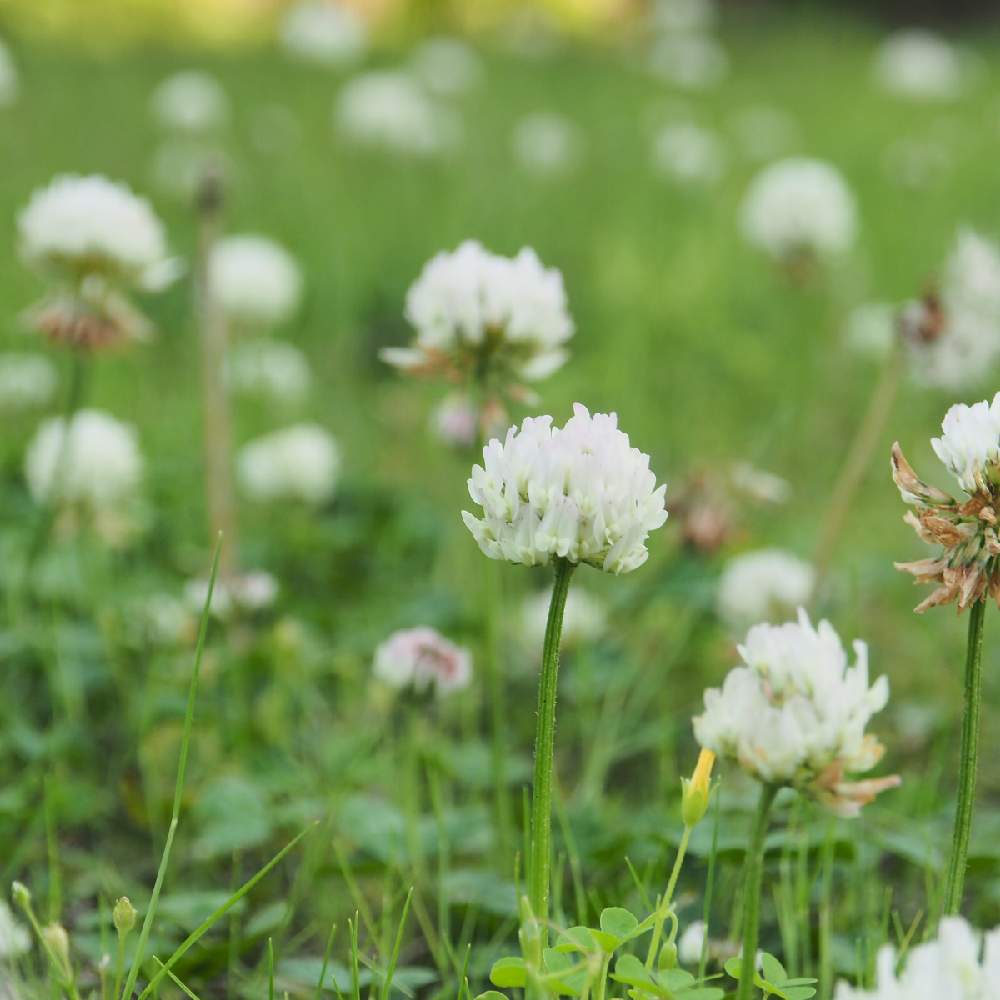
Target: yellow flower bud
x=124 y=915
x=694 y=799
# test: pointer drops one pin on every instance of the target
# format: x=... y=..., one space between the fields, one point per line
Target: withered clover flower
x=966 y=569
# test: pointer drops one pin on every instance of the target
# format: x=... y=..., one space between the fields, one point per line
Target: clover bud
x=668 y=956
x=20 y=894
x=696 y=790
x=124 y=916
x=57 y=941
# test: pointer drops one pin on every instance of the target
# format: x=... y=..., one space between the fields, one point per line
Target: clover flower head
x=14 y=938
x=763 y=585
x=270 y=369
x=920 y=65
x=191 y=102
x=959 y=964
x=794 y=713
x=579 y=492
x=255 y=280
x=799 y=206
x=98 y=466
x=478 y=311
x=423 y=660
x=327 y=34
x=301 y=463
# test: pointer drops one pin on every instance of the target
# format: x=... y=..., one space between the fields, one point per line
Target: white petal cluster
x=26 y=380
x=447 y=66
x=689 y=154
x=389 y=110
x=9 y=81
x=959 y=964
x=970 y=444
x=79 y=226
x=255 y=280
x=301 y=462
x=692 y=942
x=799 y=205
x=424 y=660
x=795 y=711
x=14 y=938
x=327 y=34
x=585 y=619
x=471 y=302
x=248 y=592
x=99 y=464
x=765 y=585
x=920 y=65
x=579 y=492
x=546 y=143
x=268 y=368
x=191 y=102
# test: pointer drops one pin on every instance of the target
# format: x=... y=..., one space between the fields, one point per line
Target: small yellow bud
x=124 y=915
x=694 y=799
x=20 y=894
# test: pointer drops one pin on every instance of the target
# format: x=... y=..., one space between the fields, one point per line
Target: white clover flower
x=81 y=226
x=799 y=206
x=99 y=465
x=455 y=421
x=164 y=619
x=388 y=110
x=920 y=65
x=970 y=444
x=762 y=586
x=472 y=308
x=255 y=280
x=447 y=66
x=546 y=143
x=301 y=462
x=190 y=101
x=691 y=943
x=423 y=660
x=689 y=154
x=689 y=61
x=794 y=713
x=10 y=85
x=14 y=938
x=585 y=619
x=268 y=368
x=327 y=34
x=758 y=484
x=959 y=964
x=579 y=492
x=26 y=380
x=253 y=591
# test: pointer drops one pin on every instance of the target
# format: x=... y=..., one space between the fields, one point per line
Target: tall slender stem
x=967 y=771
x=496 y=695
x=856 y=463
x=545 y=732
x=663 y=906
x=751 y=891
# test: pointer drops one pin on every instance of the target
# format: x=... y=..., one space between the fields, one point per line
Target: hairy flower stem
x=545 y=732
x=958 y=862
x=751 y=891
x=856 y=464
x=663 y=905
x=216 y=418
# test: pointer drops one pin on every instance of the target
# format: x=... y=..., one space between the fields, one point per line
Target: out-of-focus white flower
x=26 y=380
x=547 y=143
x=762 y=586
x=579 y=492
x=799 y=206
x=165 y=619
x=455 y=421
x=682 y=16
x=969 y=445
x=10 y=85
x=424 y=660
x=269 y=368
x=253 y=591
x=255 y=280
x=691 y=943
x=691 y=61
x=190 y=101
x=388 y=109
x=871 y=329
x=324 y=33
x=759 y=484
x=297 y=463
x=585 y=619
x=14 y=938
x=472 y=308
x=689 y=154
x=90 y=226
x=178 y=166
x=763 y=133
x=920 y=65
x=794 y=713
x=960 y=964
x=98 y=465
x=447 y=66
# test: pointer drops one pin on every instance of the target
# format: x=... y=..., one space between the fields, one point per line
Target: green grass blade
x=327 y=951
x=396 y=946
x=186 y=990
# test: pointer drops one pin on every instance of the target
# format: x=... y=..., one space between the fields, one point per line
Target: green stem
x=545 y=732
x=751 y=892
x=970 y=754
x=496 y=694
x=663 y=907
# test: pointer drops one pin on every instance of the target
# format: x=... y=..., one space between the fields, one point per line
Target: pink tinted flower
x=422 y=658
